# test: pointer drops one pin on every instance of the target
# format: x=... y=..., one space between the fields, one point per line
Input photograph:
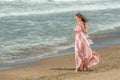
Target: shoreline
x=62 y=68
x=99 y=43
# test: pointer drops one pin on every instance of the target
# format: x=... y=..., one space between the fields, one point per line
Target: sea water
x=32 y=28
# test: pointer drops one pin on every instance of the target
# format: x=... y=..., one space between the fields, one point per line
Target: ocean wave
x=34 y=1
x=106 y=29
x=40 y=1
x=60 y=10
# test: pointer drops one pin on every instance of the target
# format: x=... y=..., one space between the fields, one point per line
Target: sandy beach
x=62 y=68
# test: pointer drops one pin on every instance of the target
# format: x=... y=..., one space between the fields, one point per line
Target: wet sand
x=62 y=68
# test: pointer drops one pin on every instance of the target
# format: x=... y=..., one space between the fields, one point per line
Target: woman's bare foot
x=76 y=70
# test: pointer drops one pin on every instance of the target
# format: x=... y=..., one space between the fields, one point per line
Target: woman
x=85 y=58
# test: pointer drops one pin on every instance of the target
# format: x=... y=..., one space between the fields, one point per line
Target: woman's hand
x=77 y=32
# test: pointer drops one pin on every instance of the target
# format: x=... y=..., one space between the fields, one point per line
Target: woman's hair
x=79 y=15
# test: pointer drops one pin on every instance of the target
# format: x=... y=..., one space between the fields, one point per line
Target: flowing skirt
x=85 y=57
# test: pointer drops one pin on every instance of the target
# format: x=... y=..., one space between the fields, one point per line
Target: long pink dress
x=85 y=57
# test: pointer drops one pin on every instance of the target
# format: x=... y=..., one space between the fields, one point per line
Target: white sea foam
x=109 y=27
x=40 y=1
x=60 y=10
